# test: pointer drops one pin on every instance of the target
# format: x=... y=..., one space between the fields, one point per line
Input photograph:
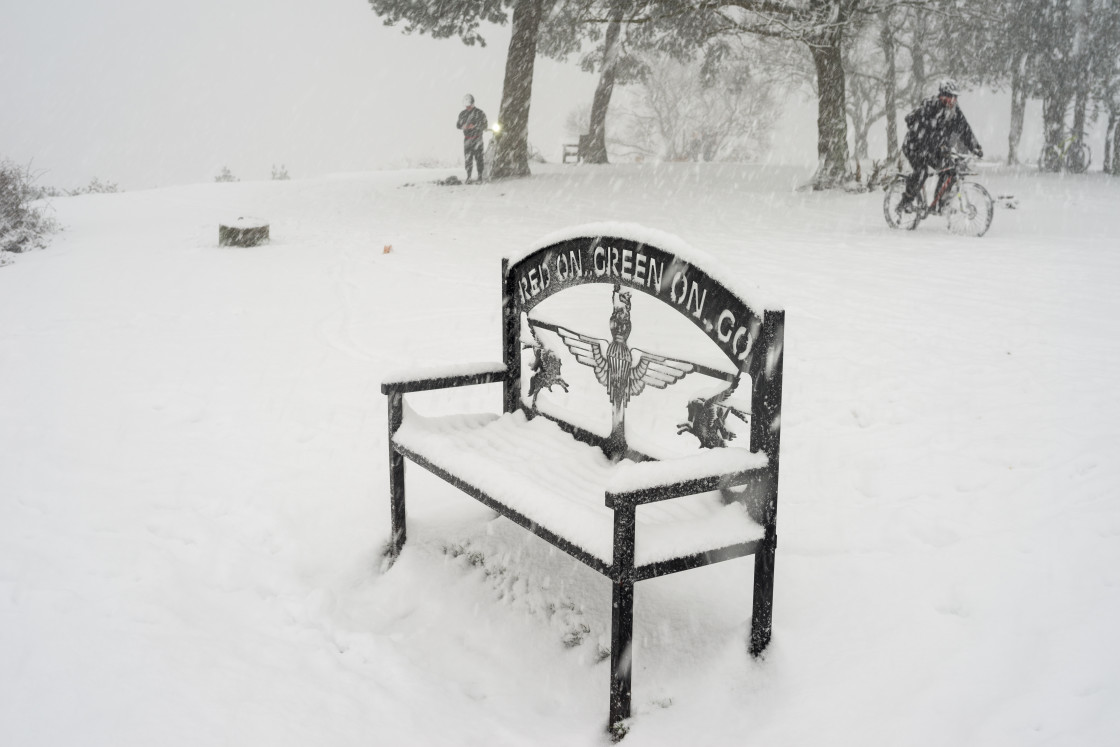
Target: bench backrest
x=646 y=283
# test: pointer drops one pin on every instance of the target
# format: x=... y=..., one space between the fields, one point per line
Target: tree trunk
x=832 y=124
x=1082 y=77
x=1018 y=112
x=918 y=72
x=1054 y=106
x=861 y=143
x=511 y=158
x=597 y=148
x=1116 y=150
x=1081 y=102
x=886 y=41
x=1107 y=160
x=1113 y=143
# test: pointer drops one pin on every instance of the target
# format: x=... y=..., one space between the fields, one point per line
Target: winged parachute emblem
x=615 y=369
x=623 y=370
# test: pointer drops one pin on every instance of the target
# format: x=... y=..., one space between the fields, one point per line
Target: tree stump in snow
x=243 y=232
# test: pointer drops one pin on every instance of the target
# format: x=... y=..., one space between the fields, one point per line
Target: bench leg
x=396 y=478
x=622 y=634
x=763 y=593
x=622 y=617
x=396 y=498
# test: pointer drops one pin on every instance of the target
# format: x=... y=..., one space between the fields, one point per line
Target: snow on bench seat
x=543 y=473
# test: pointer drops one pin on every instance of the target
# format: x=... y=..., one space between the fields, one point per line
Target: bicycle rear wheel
x=969 y=211
x=892 y=211
x=1078 y=157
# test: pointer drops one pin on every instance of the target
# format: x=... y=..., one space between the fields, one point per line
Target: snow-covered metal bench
x=576 y=151
x=617 y=454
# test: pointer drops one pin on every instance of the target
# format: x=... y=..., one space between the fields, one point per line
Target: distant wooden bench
x=577 y=151
x=578 y=449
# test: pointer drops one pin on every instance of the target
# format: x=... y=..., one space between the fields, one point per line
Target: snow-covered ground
x=193 y=491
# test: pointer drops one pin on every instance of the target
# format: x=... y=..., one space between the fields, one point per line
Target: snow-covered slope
x=193 y=475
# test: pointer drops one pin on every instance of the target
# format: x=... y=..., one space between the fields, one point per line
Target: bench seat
x=540 y=471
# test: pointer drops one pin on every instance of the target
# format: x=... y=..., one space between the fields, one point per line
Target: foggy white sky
x=149 y=93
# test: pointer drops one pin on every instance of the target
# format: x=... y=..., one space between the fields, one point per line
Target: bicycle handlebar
x=956 y=161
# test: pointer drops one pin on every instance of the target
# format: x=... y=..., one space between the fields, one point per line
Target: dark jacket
x=472 y=121
x=933 y=128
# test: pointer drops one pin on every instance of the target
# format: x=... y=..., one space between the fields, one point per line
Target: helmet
x=468 y=100
x=948 y=87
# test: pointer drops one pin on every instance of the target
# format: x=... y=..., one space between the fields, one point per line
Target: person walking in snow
x=932 y=129
x=472 y=121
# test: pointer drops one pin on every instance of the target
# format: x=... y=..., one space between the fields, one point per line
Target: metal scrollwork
x=707 y=420
x=546 y=370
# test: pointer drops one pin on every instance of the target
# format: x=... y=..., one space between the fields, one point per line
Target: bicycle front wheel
x=892 y=207
x=970 y=210
x=1077 y=160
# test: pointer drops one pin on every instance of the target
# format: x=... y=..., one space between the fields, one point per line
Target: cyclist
x=936 y=125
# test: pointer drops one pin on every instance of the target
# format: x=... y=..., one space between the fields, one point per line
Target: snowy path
x=192 y=476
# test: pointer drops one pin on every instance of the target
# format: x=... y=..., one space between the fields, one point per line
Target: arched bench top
x=652 y=262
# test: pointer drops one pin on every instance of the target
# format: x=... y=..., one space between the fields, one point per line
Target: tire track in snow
x=338 y=328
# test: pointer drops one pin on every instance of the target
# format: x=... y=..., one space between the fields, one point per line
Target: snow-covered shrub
x=280 y=174
x=24 y=224
x=96 y=187
x=225 y=175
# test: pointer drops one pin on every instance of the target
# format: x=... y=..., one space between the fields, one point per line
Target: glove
x=979 y=152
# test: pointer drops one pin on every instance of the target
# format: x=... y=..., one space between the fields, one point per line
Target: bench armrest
x=419 y=380
x=648 y=482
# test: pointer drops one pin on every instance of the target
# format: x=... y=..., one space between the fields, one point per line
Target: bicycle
x=966 y=205
x=1070 y=154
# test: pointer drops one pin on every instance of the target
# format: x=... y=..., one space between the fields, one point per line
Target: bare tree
x=512 y=156
x=821 y=26
x=680 y=114
x=570 y=27
x=608 y=73
x=866 y=84
x=888 y=46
